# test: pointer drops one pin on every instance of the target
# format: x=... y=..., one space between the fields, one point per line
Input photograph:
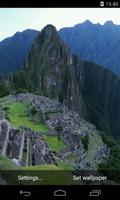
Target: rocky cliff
x=49 y=70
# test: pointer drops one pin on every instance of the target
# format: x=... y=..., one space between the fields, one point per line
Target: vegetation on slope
x=4 y=86
x=19 y=117
x=41 y=167
x=111 y=167
x=54 y=143
x=101 y=92
x=6 y=163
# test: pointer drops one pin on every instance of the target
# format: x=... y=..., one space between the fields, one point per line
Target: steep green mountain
x=49 y=70
x=95 y=42
x=101 y=93
x=13 y=50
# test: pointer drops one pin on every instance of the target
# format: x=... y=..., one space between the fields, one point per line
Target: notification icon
x=102 y=3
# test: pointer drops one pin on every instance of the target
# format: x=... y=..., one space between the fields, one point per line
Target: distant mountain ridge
x=13 y=50
x=95 y=42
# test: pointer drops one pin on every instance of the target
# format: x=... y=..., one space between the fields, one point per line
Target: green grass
x=95 y=141
x=18 y=117
x=53 y=143
x=6 y=163
x=62 y=164
x=24 y=157
x=71 y=157
x=41 y=167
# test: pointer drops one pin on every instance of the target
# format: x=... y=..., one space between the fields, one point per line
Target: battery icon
x=102 y=3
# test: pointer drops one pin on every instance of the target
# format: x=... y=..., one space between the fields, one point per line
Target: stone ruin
x=73 y=128
x=29 y=147
x=25 y=147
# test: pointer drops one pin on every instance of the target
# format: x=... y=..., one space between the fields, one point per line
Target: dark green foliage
x=59 y=129
x=6 y=108
x=101 y=92
x=4 y=88
x=21 y=90
x=96 y=114
x=7 y=117
x=33 y=111
x=61 y=97
x=19 y=81
x=85 y=141
x=111 y=167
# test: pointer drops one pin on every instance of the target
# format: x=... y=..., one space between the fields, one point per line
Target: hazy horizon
x=13 y=20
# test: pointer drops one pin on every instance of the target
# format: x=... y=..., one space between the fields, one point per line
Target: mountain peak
x=49 y=30
x=87 y=22
x=17 y=33
x=109 y=23
x=49 y=27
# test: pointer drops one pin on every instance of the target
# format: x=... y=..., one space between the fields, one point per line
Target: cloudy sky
x=19 y=19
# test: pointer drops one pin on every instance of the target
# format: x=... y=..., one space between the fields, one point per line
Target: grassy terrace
x=6 y=163
x=18 y=116
x=95 y=141
x=71 y=157
x=54 y=144
x=63 y=165
x=41 y=167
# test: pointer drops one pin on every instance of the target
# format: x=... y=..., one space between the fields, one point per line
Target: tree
x=4 y=89
x=33 y=111
x=59 y=129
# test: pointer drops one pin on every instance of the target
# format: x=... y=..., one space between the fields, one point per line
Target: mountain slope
x=13 y=50
x=95 y=42
x=101 y=94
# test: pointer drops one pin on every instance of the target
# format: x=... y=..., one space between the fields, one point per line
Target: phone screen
x=60 y=99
